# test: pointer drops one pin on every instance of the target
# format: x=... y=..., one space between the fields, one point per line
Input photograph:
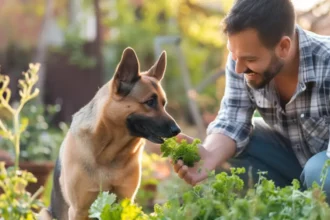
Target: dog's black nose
x=175 y=129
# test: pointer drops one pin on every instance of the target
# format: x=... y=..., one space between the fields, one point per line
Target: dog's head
x=139 y=99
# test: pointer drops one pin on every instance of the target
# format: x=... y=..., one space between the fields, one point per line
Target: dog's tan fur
x=99 y=152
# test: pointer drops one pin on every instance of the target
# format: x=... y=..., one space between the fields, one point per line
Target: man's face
x=258 y=63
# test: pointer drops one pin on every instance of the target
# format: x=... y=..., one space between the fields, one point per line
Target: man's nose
x=240 y=67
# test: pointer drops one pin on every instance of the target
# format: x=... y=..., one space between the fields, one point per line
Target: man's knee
x=313 y=172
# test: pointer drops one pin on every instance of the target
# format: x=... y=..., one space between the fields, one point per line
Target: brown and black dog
x=104 y=145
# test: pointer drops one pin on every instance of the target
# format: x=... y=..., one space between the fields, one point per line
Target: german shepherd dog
x=103 y=147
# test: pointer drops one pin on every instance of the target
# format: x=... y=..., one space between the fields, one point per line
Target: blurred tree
x=42 y=48
x=316 y=19
x=116 y=24
x=196 y=22
x=200 y=21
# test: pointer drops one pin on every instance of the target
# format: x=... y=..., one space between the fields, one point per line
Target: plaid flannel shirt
x=306 y=118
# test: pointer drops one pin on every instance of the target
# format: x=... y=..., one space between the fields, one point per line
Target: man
x=283 y=71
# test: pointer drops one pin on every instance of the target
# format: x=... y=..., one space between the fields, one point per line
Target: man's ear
x=127 y=72
x=158 y=69
x=283 y=47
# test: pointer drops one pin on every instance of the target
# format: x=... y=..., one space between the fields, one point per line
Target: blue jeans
x=269 y=151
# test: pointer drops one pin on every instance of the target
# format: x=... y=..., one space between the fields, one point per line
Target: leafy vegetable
x=104 y=207
x=222 y=197
x=99 y=204
x=187 y=152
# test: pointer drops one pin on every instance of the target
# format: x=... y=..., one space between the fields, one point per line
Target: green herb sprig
x=183 y=150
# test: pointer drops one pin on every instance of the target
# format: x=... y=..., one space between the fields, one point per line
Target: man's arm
x=236 y=110
x=228 y=134
x=211 y=156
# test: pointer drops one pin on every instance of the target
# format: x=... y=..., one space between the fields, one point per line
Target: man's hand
x=197 y=173
x=211 y=153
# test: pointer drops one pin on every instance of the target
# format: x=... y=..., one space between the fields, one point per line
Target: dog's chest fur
x=111 y=166
x=118 y=170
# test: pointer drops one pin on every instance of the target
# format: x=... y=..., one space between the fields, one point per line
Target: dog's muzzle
x=154 y=129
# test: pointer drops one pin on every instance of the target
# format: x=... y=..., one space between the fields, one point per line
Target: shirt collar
x=306 y=63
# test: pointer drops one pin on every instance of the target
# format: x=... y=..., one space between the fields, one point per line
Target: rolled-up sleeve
x=235 y=114
x=327 y=73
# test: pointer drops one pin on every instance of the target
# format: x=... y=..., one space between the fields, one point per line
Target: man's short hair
x=272 y=19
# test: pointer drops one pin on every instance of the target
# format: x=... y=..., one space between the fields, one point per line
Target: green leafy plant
x=27 y=92
x=15 y=201
x=221 y=197
x=183 y=150
x=105 y=207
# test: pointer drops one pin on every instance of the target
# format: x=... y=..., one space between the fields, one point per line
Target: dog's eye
x=151 y=102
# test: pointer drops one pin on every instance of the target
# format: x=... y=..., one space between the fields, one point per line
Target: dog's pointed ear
x=158 y=69
x=127 y=72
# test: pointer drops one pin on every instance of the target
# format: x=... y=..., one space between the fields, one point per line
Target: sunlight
x=303 y=5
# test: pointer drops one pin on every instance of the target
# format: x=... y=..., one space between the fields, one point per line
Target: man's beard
x=273 y=69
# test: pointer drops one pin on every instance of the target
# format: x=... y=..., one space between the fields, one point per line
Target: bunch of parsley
x=183 y=150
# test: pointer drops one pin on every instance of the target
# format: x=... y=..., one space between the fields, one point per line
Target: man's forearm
x=218 y=148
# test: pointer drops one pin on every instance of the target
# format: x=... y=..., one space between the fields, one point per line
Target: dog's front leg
x=78 y=214
x=44 y=215
x=128 y=189
x=125 y=192
x=77 y=190
x=78 y=209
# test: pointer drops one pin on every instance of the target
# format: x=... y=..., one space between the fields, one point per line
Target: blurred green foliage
x=41 y=140
x=196 y=24
x=138 y=23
